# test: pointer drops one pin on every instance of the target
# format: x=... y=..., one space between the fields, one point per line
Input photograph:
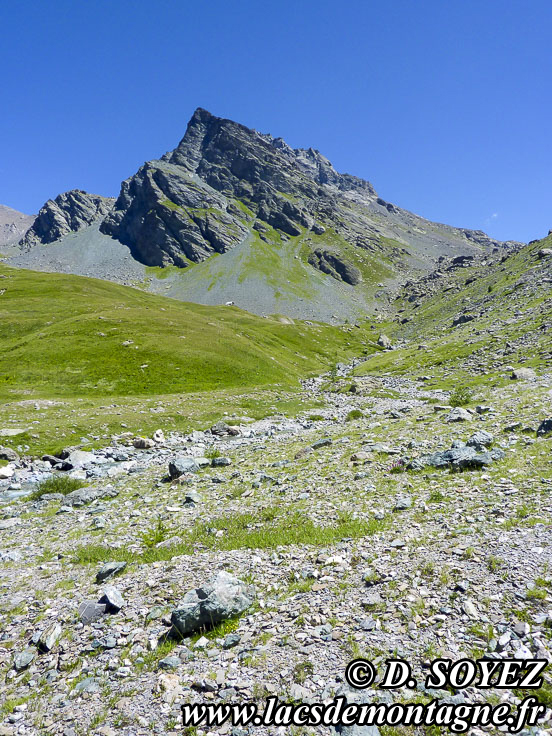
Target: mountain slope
x=478 y=320
x=13 y=225
x=240 y=216
x=68 y=212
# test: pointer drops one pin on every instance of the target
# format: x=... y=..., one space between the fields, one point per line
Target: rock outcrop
x=68 y=212
x=335 y=266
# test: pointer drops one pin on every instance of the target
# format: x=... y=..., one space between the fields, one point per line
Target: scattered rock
x=181 y=465
x=8 y=454
x=222 y=597
x=458 y=414
x=108 y=570
x=112 y=599
x=49 y=638
x=23 y=659
x=143 y=443
x=545 y=427
x=384 y=341
x=220 y=462
x=523 y=374
x=324 y=442
x=89 y=611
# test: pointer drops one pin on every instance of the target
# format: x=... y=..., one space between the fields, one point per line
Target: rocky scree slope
x=477 y=317
x=335 y=550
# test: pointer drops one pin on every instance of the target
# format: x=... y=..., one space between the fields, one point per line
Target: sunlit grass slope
x=71 y=336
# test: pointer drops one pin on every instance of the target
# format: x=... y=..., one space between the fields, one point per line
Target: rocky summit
x=232 y=214
x=224 y=180
x=202 y=505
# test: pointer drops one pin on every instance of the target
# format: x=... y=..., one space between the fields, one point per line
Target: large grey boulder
x=182 y=464
x=523 y=374
x=82 y=496
x=6 y=453
x=457 y=458
x=112 y=599
x=49 y=638
x=458 y=415
x=221 y=429
x=480 y=440
x=23 y=659
x=223 y=596
x=90 y=611
x=108 y=570
x=80 y=458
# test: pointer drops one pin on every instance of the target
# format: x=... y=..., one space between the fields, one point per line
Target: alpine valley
x=256 y=422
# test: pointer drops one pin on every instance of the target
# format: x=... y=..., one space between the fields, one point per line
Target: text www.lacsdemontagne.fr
x=457 y=718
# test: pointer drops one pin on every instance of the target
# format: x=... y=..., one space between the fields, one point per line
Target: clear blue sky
x=444 y=105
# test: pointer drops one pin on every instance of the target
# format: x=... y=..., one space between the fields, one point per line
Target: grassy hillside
x=66 y=335
x=508 y=306
x=82 y=358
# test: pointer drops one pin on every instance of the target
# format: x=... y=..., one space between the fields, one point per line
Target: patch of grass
x=9 y=704
x=68 y=335
x=154 y=535
x=302 y=670
x=265 y=530
x=427 y=570
x=354 y=414
x=301 y=586
x=219 y=631
x=494 y=563
x=461 y=396
x=212 y=453
x=56 y=484
x=536 y=594
x=163 y=649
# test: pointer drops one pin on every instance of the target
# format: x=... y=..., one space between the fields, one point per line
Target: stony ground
x=350 y=555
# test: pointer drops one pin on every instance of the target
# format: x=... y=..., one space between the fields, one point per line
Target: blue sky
x=444 y=105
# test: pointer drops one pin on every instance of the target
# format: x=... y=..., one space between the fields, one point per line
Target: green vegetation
x=461 y=396
x=264 y=530
x=354 y=414
x=154 y=535
x=56 y=484
x=98 y=338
